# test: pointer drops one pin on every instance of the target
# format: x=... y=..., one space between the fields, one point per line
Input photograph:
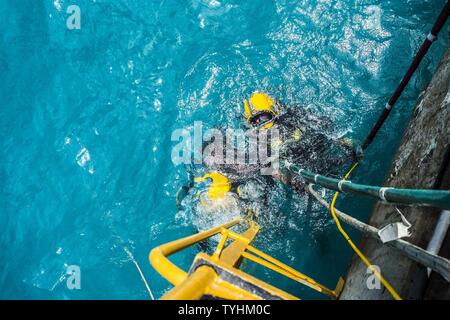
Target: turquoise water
x=86 y=118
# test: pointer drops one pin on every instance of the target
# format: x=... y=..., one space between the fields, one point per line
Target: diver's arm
x=313 y=122
x=297 y=186
x=310 y=118
x=181 y=194
x=351 y=147
x=184 y=190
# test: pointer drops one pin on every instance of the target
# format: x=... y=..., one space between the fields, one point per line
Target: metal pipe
x=194 y=287
x=439 y=264
x=435 y=244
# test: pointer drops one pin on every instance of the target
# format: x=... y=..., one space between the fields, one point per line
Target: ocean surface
x=86 y=118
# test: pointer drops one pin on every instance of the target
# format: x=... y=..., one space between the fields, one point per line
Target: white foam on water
x=83 y=159
x=209 y=83
x=57 y=5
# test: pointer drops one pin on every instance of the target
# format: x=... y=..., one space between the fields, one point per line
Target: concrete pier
x=421 y=161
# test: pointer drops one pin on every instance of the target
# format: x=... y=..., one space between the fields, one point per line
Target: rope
x=387 y=285
x=438 y=264
x=140 y=273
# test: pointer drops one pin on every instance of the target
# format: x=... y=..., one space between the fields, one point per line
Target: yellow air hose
x=388 y=286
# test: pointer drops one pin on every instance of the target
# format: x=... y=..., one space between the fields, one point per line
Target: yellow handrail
x=194 y=287
x=278 y=266
x=205 y=281
x=158 y=256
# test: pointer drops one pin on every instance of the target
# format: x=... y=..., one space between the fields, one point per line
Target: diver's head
x=260 y=110
x=214 y=203
x=217 y=185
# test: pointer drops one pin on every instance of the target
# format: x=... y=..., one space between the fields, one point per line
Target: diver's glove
x=181 y=194
x=355 y=147
x=358 y=151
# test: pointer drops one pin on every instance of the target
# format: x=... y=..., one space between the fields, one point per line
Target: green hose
x=421 y=197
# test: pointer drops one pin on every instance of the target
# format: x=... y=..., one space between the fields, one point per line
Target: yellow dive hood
x=260 y=104
x=219 y=186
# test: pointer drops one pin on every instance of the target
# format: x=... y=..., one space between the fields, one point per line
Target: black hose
x=412 y=68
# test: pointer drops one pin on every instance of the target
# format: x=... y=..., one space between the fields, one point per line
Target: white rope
x=140 y=272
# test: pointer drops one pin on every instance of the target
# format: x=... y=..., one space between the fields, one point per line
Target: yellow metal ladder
x=218 y=275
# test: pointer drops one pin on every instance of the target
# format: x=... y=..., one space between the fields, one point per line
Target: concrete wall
x=416 y=165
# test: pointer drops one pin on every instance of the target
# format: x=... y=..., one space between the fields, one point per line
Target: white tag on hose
x=394 y=231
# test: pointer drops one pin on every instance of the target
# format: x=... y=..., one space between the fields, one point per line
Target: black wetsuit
x=316 y=150
x=307 y=141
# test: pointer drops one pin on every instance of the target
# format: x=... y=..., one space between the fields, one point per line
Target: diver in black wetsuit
x=304 y=140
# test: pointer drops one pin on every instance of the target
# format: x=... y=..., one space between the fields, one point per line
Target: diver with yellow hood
x=213 y=198
x=214 y=195
x=261 y=110
x=305 y=138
